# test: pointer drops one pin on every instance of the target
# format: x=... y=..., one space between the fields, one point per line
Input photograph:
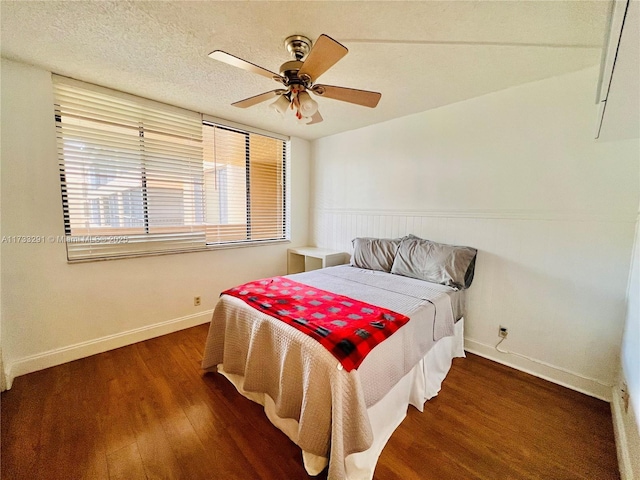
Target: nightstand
x=304 y=259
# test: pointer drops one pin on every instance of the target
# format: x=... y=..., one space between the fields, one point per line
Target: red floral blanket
x=348 y=328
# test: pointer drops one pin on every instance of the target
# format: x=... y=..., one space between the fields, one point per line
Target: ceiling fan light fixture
x=298 y=76
x=308 y=106
x=280 y=105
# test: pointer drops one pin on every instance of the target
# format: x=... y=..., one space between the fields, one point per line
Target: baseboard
x=624 y=461
x=58 y=356
x=627 y=433
x=574 y=381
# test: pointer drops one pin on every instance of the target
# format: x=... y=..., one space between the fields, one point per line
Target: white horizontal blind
x=131 y=173
x=245 y=185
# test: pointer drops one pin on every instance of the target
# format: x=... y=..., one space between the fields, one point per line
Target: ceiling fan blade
x=316 y=118
x=323 y=55
x=263 y=97
x=351 y=95
x=243 y=64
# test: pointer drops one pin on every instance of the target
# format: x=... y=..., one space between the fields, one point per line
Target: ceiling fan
x=298 y=77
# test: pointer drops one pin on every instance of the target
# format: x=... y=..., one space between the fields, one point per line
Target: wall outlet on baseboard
x=197 y=301
x=503 y=331
x=624 y=394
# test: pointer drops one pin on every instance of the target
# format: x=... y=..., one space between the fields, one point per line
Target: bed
x=338 y=416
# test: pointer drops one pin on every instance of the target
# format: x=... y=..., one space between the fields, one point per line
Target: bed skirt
x=415 y=388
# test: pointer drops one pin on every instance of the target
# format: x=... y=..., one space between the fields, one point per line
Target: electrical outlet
x=196 y=301
x=624 y=393
x=503 y=332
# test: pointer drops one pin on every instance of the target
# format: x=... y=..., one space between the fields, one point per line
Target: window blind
x=131 y=173
x=245 y=185
x=140 y=177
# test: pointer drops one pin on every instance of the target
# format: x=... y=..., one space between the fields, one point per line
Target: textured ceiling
x=420 y=55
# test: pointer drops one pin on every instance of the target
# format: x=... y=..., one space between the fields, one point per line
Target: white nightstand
x=303 y=259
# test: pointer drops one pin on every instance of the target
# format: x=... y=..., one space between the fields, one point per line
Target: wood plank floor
x=147 y=411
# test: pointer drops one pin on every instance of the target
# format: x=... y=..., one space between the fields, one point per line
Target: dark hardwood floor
x=147 y=411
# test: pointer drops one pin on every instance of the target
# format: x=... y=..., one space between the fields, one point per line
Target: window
x=139 y=177
x=244 y=185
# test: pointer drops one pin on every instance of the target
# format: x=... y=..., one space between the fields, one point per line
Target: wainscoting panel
x=557 y=281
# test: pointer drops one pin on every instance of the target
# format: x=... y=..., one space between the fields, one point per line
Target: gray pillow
x=435 y=262
x=374 y=253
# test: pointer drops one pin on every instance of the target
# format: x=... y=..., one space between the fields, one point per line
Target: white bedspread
x=305 y=381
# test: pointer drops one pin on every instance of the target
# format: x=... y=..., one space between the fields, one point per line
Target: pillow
x=374 y=253
x=435 y=262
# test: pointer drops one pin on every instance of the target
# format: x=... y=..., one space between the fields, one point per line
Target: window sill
x=208 y=248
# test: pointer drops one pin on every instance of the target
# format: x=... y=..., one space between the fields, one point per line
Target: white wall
x=622 y=120
x=626 y=119
x=626 y=413
x=517 y=175
x=53 y=311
